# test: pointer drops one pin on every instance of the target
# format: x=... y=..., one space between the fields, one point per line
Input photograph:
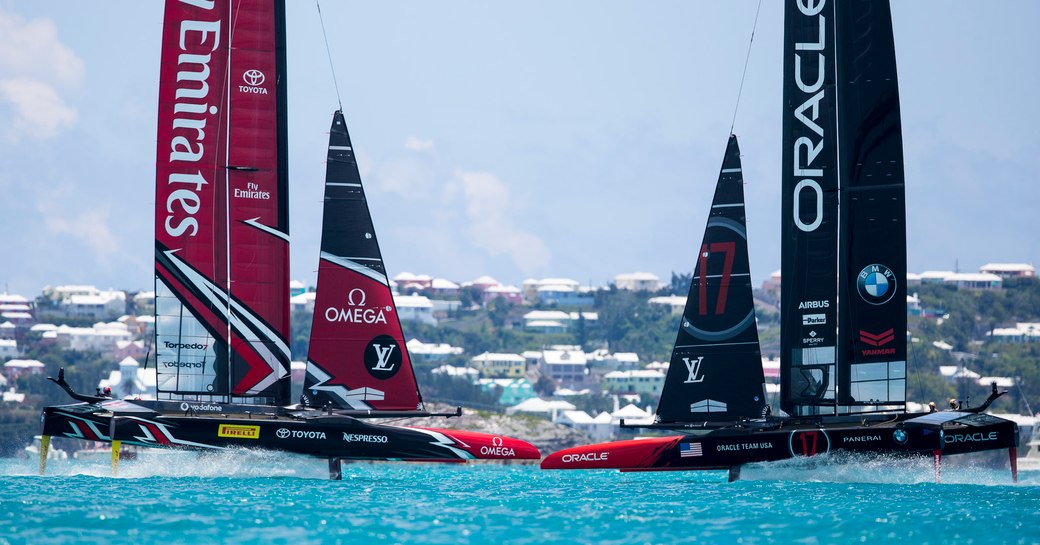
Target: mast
x=809 y=217
x=357 y=357
x=715 y=372
x=221 y=214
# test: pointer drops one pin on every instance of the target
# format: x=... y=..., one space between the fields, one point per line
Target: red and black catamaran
x=843 y=299
x=222 y=275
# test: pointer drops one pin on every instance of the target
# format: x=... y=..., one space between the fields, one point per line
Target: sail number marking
x=729 y=249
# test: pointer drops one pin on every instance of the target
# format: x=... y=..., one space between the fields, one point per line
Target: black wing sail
x=715 y=372
x=809 y=213
x=872 y=240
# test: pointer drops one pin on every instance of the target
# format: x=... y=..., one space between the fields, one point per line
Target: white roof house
x=540 y=406
x=637 y=281
x=1009 y=270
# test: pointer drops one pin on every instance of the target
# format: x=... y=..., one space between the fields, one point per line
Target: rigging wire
x=746 y=60
x=328 y=52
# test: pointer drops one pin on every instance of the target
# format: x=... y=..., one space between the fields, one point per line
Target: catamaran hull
x=319 y=435
x=728 y=448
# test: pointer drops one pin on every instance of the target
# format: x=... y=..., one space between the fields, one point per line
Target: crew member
x=954 y=405
x=931 y=407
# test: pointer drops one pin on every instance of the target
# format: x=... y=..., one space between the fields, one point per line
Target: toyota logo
x=253 y=77
x=282 y=433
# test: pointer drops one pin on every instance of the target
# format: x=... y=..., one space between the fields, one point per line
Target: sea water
x=257 y=497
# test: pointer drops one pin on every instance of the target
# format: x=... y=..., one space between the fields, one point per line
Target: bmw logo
x=876 y=284
x=900 y=436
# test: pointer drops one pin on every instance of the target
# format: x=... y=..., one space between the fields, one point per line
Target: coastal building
x=431 y=352
x=8 y=349
x=415 y=308
x=511 y=391
x=101 y=337
x=1009 y=270
x=303 y=302
x=566 y=365
x=494 y=365
x=75 y=301
x=675 y=303
x=637 y=381
x=130 y=380
x=637 y=281
x=1023 y=332
x=16 y=368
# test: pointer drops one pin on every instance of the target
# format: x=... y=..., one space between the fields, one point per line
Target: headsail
x=221 y=234
x=357 y=357
x=843 y=310
x=716 y=365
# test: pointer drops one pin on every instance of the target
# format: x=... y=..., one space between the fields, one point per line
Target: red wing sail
x=357 y=357
x=211 y=122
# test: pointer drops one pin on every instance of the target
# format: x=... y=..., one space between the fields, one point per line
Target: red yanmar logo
x=877 y=339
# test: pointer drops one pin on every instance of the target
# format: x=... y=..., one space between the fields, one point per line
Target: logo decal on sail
x=356 y=312
x=383 y=357
x=876 y=284
x=694 y=368
x=877 y=339
x=253 y=79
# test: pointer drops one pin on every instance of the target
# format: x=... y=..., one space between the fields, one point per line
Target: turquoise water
x=274 y=498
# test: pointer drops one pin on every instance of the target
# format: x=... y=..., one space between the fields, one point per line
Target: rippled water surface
x=273 y=498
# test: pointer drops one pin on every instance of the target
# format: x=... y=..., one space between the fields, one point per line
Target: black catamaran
x=843 y=300
x=222 y=275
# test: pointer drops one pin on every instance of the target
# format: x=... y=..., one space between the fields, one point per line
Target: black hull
x=937 y=434
x=309 y=433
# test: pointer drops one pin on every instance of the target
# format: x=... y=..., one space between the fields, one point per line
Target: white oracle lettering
x=798 y=74
x=810 y=7
x=811 y=151
x=818 y=213
x=383 y=357
x=693 y=369
x=590 y=457
x=813 y=105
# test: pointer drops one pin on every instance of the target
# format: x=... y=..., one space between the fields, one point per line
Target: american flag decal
x=689 y=450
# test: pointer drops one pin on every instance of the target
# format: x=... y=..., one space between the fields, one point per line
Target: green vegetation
x=628 y=323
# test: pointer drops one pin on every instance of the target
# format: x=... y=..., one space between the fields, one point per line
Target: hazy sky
x=517 y=139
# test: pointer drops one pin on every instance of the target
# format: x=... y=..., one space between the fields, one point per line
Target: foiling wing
x=221 y=242
x=357 y=357
x=715 y=372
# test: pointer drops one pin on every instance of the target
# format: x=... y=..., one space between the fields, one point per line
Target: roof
x=637 y=276
x=635 y=373
x=442 y=284
x=492 y=356
x=564 y=357
x=1008 y=267
x=25 y=364
x=539 y=405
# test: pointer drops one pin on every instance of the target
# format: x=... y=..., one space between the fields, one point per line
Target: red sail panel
x=259 y=247
x=190 y=220
x=222 y=317
x=357 y=357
